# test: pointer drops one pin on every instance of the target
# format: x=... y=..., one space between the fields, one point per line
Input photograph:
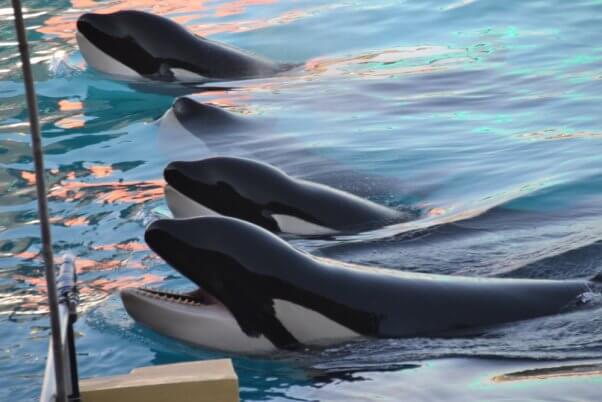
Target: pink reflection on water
x=109 y=192
x=34 y=300
x=91 y=293
x=180 y=11
x=238 y=7
x=388 y=62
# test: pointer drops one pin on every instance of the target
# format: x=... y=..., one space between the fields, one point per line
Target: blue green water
x=488 y=113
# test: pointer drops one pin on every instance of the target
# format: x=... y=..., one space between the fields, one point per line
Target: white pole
x=38 y=157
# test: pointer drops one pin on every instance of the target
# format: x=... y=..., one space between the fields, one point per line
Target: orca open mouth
x=194 y=317
x=209 y=315
x=198 y=297
x=181 y=257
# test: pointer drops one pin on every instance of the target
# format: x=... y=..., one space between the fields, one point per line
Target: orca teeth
x=168 y=296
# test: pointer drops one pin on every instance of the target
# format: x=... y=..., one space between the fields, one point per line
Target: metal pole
x=38 y=157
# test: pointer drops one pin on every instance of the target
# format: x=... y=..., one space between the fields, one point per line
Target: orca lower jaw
x=182 y=206
x=195 y=317
x=103 y=62
x=197 y=297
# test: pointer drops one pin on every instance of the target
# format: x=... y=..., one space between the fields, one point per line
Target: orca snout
x=92 y=25
x=177 y=237
x=174 y=238
x=176 y=241
x=164 y=231
x=177 y=168
x=184 y=107
x=192 y=113
x=154 y=235
x=185 y=176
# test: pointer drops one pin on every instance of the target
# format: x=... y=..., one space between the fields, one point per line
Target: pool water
x=484 y=115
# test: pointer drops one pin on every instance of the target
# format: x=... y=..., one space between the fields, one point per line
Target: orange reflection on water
x=27 y=255
x=126 y=282
x=155 y=7
x=151 y=192
x=129 y=246
x=101 y=170
x=86 y=264
x=235 y=101
x=83 y=265
x=77 y=221
x=66 y=105
x=60 y=26
x=230 y=102
x=29 y=177
x=437 y=211
x=91 y=293
x=238 y=7
x=85 y=4
x=75 y=121
x=111 y=192
x=247 y=25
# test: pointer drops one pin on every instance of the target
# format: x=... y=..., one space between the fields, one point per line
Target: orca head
x=235 y=187
x=219 y=253
x=245 y=189
x=134 y=43
x=201 y=118
x=237 y=268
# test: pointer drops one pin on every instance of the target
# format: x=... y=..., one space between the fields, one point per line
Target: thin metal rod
x=73 y=364
x=38 y=157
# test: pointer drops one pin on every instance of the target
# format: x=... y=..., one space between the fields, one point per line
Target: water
x=484 y=116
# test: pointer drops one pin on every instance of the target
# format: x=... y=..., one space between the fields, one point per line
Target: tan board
x=202 y=381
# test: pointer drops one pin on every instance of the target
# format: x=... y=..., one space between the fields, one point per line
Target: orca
x=202 y=119
x=257 y=294
x=135 y=44
x=224 y=133
x=268 y=197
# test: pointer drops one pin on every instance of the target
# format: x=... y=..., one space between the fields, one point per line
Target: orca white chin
x=200 y=319
x=99 y=60
x=185 y=76
x=104 y=63
x=297 y=226
x=195 y=319
x=183 y=207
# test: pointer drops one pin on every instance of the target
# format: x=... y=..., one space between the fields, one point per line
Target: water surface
x=484 y=115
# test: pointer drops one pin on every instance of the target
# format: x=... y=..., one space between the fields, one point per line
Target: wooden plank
x=202 y=381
